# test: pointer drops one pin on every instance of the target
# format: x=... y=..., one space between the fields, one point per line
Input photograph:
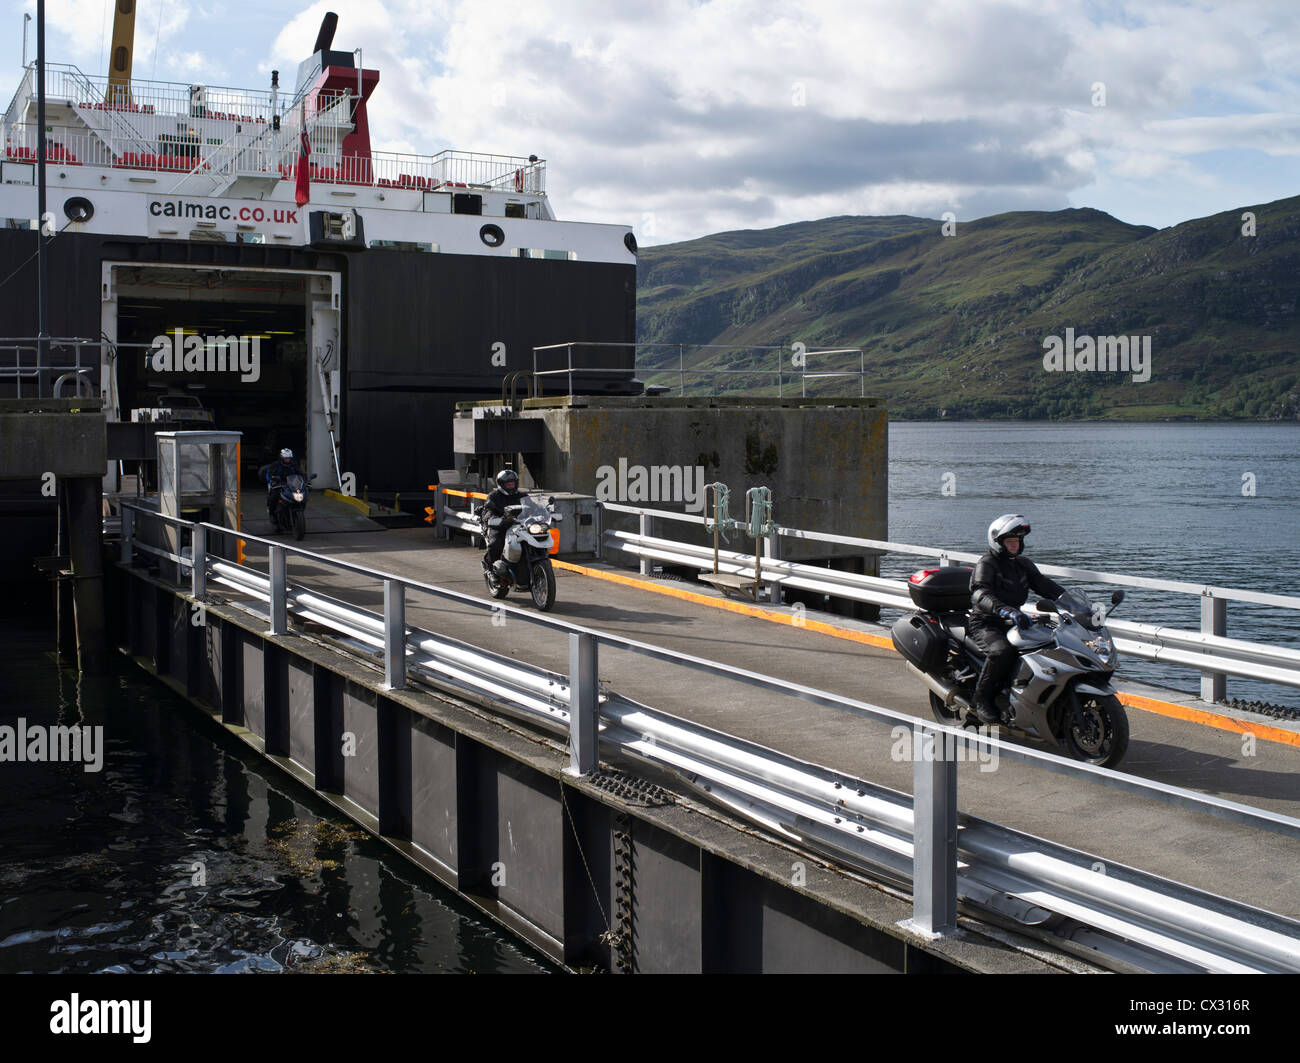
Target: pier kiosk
x=198 y=480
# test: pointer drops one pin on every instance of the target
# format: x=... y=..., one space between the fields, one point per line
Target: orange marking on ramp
x=1211 y=719
x=732 y=607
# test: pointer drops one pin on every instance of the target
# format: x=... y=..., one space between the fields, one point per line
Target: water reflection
x=180 y=855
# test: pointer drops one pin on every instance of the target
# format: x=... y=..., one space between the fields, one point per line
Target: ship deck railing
x=222 y=131
x=32 y=367
x=789 y=364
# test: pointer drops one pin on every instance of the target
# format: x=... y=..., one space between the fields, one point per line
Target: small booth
x=198 y=480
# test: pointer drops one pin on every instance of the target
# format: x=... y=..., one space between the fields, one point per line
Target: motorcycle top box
x=941 y=590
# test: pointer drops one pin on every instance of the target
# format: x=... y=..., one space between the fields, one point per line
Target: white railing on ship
x=261 y=150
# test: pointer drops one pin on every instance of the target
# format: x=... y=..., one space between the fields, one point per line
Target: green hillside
x=955 y=325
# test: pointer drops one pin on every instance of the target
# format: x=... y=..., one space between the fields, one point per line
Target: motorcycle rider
x=507 y=493
x=999 y=587
x=274 y=474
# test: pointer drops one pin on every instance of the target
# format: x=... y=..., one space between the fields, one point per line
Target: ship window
x=492 y=235
x=515 y=210
x=17 y=173
x=466 y=203
x=403 y=245
x=437 y=203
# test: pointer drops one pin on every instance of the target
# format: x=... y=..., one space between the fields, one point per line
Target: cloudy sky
x=683 y=118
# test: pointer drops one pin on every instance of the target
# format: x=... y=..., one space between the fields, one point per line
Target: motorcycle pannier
x=941 y=590
x=920 y=641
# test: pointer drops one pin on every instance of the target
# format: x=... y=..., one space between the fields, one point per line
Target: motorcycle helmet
x=1009 y=524
x=286 y=454
x=507 y=476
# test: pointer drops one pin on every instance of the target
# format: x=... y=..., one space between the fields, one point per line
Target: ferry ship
x=377 y=289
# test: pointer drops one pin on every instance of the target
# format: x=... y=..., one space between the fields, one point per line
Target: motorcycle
x=525 y=558
x=1060 y=690
x=291 y=504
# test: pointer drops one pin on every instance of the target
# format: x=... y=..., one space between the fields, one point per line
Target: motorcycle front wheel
x=1096 y=729
x=299 y=524
x=543 y=584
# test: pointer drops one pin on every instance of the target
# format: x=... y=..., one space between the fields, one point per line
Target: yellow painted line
x=1163 y=708
x=733 y=607
x=349 y=499
x=1212 y=719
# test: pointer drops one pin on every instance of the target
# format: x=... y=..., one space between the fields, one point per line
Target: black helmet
x=506 y=476
x=1009 y=524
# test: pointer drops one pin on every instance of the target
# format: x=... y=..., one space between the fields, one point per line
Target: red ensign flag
x=302 y=192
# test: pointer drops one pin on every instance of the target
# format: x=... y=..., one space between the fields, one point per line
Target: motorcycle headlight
x=536 y=529
x=1103 y=647
x=297 y=496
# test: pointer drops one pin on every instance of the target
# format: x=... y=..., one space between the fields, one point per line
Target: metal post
x=584 y=751
x=774 y=552
x=85 y=548
x=1214 y=621
x=394 y=635
x=42 y=288
x=600 y=531
x=934 y=832
x=279 y=606
x=681 y=368
x=758 y=566
x=199 y=562
x=128 y=535
x=645 y=534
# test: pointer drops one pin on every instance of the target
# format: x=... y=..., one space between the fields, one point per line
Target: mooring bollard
x=584 y=753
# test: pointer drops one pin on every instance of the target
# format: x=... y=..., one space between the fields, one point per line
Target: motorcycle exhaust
x=949 y=694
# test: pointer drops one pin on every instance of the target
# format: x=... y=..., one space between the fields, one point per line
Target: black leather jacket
x=1004 y=582
x=495 y=506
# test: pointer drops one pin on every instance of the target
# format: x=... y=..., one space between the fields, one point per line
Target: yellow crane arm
x=119 y=59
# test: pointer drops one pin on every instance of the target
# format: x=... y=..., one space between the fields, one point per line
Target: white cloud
x=741 y=113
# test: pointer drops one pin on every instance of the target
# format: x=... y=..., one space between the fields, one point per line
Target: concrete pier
x=53 y=452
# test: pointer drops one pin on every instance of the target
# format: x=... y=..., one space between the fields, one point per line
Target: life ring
x=519 y=180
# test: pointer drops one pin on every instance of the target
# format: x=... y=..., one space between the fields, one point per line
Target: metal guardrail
x=1208 y=650
x=1129 y=916
x=46 y=366
x=797 y=370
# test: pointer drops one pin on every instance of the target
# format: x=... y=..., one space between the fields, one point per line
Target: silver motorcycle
x=1060 y=690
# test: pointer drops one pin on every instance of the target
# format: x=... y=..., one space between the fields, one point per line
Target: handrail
x=798 y=368
x=1207 y=651
x=1179 y=923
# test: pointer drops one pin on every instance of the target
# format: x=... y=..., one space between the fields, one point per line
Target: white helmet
x=1005 y=525
x=286 y=454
